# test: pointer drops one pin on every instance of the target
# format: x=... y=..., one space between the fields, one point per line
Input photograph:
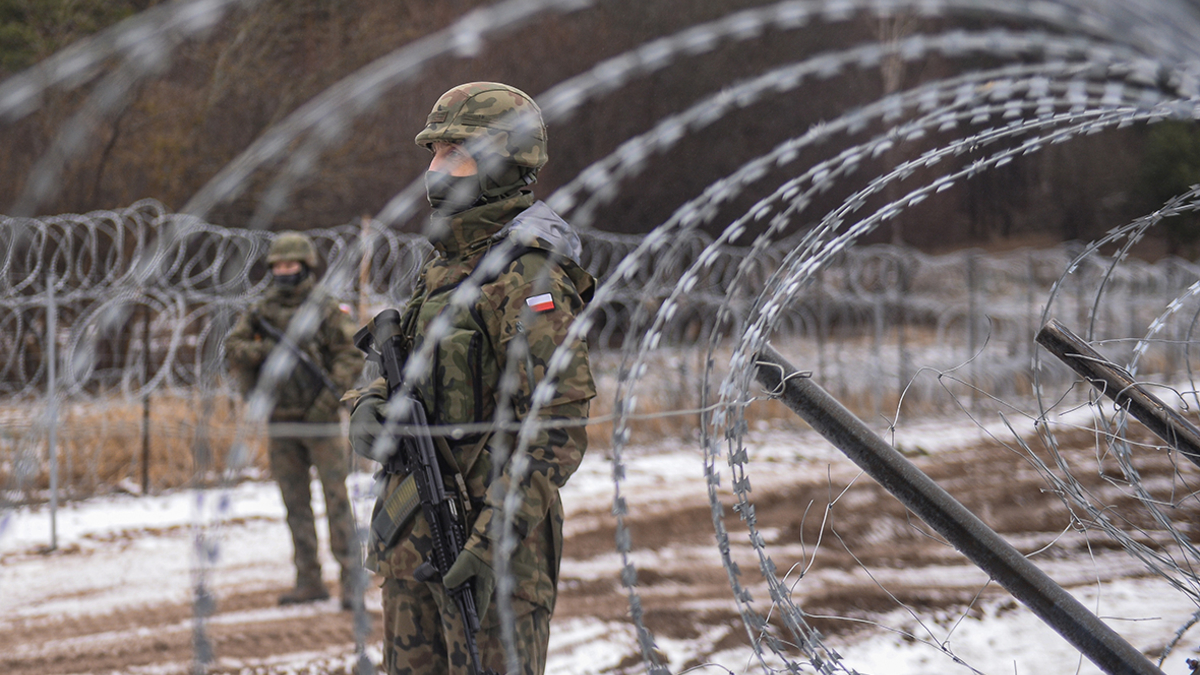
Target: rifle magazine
x=397 y=510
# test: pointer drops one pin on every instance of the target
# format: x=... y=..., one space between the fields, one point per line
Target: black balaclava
x=451 y=194
x=291 y=280
x=496 y=179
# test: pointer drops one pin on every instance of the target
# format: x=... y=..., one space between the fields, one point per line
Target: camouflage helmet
x=292 y=246
x=504 y=119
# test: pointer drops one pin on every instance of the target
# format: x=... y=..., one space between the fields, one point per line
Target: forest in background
x=219 y=93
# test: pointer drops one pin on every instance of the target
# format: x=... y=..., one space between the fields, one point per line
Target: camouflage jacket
x=300 y=396
x=531 y=301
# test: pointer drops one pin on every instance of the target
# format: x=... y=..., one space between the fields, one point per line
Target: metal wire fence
x=140 y=300
x=112 y=323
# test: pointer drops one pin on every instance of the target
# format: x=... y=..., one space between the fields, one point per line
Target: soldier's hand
x=470 y=567
x=366 y=423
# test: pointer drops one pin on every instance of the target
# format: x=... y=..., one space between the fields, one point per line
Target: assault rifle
x=264 y=327
x=381 y=341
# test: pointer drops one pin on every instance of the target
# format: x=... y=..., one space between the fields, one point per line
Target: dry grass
x=100 y=442
x=669 y=393
x=669 y=398
x=104 y=445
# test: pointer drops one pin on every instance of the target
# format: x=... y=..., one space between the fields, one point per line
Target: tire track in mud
x=246 y=627
x=861 y=554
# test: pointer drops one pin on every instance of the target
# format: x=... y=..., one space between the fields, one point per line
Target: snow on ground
x=130 y=551
x=1010 y=639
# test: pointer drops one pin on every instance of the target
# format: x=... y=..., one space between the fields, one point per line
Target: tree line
x=264 y=60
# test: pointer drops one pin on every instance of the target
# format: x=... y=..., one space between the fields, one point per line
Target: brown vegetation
x=858 y=554
x=223 y=91
x=188 y=438
x=104 y=445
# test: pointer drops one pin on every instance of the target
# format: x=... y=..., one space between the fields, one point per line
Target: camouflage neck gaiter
x=464 y=232
x=451 y=194
x=290 y=296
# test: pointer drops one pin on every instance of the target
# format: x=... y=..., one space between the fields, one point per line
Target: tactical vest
x=459 y=386
x=301 y=396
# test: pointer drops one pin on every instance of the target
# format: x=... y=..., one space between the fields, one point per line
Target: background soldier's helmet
x=493 y=118
x=292 y=246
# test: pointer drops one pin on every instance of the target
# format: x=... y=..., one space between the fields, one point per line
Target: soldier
x=482 y=162
x=304 y=428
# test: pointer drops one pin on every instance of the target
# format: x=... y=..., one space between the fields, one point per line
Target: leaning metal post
x=967 y=533
x=1116 y=383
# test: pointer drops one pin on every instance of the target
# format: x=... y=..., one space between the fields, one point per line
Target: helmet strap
x=499 y=179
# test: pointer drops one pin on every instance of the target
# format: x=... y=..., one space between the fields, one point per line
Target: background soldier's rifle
x=263 y=326
x=381 y=340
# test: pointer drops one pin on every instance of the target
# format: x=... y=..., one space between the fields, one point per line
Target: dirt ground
x=863 y=554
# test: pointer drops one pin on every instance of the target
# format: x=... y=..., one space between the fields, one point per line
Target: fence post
x=1081 y=306
x=146 y=400
x=1030 y=306
x=366 y=245
x=52 y=407
x=973 y=325
x=904 y=266
x=879 y=311
x=1132 y=291
x=822 y=325
x=963 y=529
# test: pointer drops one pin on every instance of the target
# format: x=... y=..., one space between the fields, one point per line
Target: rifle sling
x=394 y=511
x=471 y=455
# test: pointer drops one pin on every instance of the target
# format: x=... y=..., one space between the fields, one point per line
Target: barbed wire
x=854 y=284
x=189 y=302
x=143 y=298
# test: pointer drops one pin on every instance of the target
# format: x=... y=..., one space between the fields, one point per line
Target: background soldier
x=304 y=430
x=481 y=161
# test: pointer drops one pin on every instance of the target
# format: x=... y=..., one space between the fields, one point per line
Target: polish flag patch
x=541 y=303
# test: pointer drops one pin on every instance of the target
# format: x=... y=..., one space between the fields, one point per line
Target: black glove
x=470 y=567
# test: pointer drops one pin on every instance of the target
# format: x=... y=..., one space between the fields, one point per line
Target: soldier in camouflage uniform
x=488 y=142
x=304 y=429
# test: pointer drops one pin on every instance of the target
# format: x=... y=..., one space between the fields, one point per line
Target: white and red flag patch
x=541 y=303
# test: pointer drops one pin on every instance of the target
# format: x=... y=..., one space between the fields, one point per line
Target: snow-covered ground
x=124 y=552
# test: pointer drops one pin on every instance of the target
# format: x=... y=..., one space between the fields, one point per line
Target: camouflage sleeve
x=245 y=349
x=344 y=361
x=538 y=313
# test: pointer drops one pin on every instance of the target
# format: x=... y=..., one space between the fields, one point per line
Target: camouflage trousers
x=423 y=634
x=291 y=457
